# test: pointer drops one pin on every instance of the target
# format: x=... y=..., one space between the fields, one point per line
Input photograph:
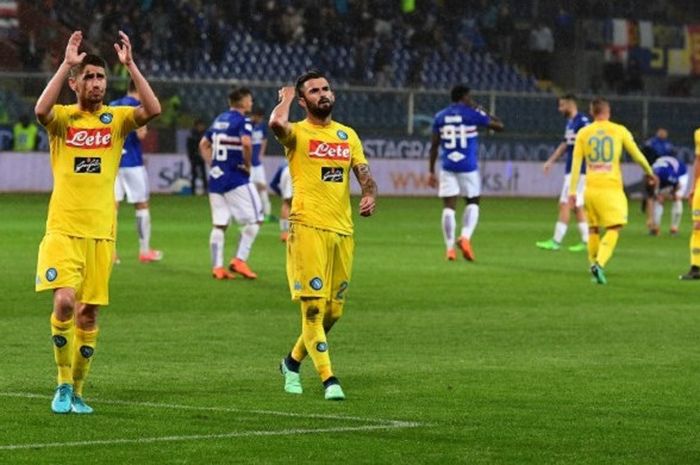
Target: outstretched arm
x=369 y=189
x=47 y=99
x=434 y=145
x=558 y=152
x=150 y=106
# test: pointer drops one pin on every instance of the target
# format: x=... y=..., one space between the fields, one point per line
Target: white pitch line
x=322 y=416
x=197 y=437
x=383 y=424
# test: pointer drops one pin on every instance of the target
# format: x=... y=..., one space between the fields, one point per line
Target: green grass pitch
x=515 y=359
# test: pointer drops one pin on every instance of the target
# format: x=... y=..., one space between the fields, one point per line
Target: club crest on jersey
x=342 y=135
x=316 y=284
x=51 y=274
x=94 y=138
x=337 y=151
x=106 y=118
x=89 y=165
x=331 y=174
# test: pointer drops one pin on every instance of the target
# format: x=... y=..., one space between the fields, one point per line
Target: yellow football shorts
x=605 y=207
x=319 y=262
x=696 y=200
x=83 y=264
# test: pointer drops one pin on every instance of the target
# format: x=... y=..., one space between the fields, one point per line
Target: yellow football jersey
x=320 y=161
x=85 y=152
x=600 y=144
x=697 y=143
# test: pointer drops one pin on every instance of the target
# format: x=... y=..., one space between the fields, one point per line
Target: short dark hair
x=307 y=76
x=237 y=94
x=598 y=104
x=570 y=97
x=458 y=92
x=88 y=59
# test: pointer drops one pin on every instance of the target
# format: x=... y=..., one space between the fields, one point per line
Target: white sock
x=469 y=220
x=559 y=232
x=676 y=213
x=248 y=235
x=583 y=230
x=658 y=213
x=265 y=198
x=449 y=223
x=216 y=246
x=143 y=228
x=284 y=225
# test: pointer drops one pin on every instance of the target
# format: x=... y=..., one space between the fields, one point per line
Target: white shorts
x=580 y=188
x=132 y=183
x=242 y=204
x=286 y=184
x=257 y=175
x=453 y=184
x=682 y=187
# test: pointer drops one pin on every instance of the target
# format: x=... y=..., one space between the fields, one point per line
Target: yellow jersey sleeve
x=289 y=140
x=59 y=121
x=697 y=142
x=576 y=161
x=357 y=152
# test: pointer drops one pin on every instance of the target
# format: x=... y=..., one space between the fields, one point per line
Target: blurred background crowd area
x=194 y=50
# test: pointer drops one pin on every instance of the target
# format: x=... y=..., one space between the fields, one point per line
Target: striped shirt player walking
x=227 y=148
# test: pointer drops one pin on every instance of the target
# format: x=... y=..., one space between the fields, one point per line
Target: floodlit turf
x=515 y=359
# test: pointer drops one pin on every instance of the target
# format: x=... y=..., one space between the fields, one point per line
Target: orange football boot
x=466 y=248
x=450 y=255
x=222 y=273
x=241 y=267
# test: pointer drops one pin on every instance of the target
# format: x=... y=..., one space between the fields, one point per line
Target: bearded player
x=75 y=255
x=321 y=153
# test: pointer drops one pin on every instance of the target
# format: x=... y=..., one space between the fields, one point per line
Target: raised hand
x=286 y=93
x=72 y=56
x=124 y=51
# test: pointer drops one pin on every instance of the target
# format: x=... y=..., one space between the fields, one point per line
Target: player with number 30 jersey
x=600 y=144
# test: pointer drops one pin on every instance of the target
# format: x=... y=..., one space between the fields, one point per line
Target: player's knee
x=473 y=200
x=63 y=304
x=311 y=309
x=86 y=316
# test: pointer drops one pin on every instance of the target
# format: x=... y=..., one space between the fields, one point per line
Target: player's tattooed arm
x=369 y=189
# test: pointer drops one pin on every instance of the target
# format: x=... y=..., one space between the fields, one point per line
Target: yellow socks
x=593 y=244
x=314 y=336
x=695 y=247
x=299 y=352
x=607 y=246
x=334 y=310
x=85 y=342
x=62 y=334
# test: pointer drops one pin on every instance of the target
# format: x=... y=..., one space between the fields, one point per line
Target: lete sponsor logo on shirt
x=96 y=138
x=339 y=151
